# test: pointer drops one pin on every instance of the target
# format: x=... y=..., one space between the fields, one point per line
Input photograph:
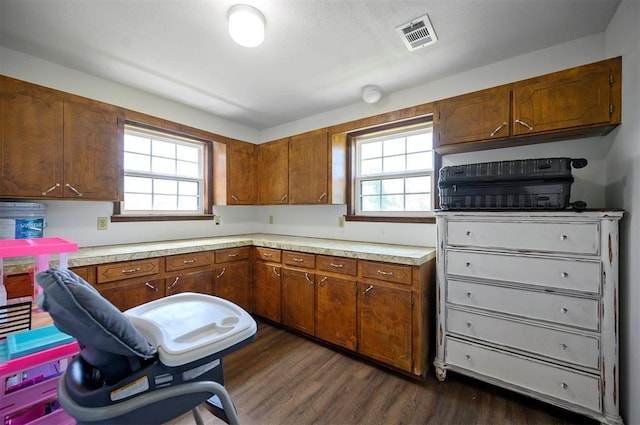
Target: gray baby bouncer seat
x=149 y=364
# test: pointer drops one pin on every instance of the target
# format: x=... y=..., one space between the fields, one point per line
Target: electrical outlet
x=103 y=223
x=270 y=219
x=216 y=219
x=341 y=221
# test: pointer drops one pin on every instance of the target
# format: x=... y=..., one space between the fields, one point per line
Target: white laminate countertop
x=401 y=254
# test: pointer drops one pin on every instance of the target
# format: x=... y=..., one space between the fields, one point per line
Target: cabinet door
x=308 y=168
x=241 y=179
x=266 y=291
x=298 y=299
x=93 y=144
x=384 y=324
x=232 y=283
x=483 y=115
x=577 y=97
x=200 y=282
x=336 y=311
x=273 y=175
x=31 y=140
x=129 y=295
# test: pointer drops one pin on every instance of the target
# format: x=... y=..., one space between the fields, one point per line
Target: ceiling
x=317 y=55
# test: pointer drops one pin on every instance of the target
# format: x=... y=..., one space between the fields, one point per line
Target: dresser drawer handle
x=298 y=260
x=367 y=290
x=309 y=281
x=564 y=385
x=173 y=284
x=382 y=272
x=235 y=254
x=151 y=287
x=267 y=254
x=137 y=269
x=193 y=260
x=323 y=281
x=337 y=266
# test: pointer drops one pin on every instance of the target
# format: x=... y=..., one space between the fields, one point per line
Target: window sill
x=130 y=218
x=372 y=219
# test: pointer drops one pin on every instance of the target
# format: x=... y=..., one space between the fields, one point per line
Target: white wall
x=623 y=191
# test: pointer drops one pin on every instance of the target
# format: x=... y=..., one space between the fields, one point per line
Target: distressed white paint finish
x=529 y=301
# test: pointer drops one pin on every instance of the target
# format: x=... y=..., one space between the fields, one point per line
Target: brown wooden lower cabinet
x=200 y=281
x=232 y=283
x=336 y=311
x=298 y=288
x=126 y=295
x=266 y=291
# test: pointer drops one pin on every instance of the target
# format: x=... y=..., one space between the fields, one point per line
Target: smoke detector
x=417 y=33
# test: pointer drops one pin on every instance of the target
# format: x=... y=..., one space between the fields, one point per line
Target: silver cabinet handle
x=267 y=254
x=73 y=189
x=51 y=189
x=322 y=196
x=524 y=124
x=234 y=198
x=337 y=266
x=191 y=261
x=306 y=276
x=151 y=287
x=323 y=281
x=284 y=197
x=275 y=271
x=367 y=290
x=235 y=254
x=298 y=260
x=127 y=271
x=224 y=269
x=493 y=133
x=174 y=283
x=382 y=272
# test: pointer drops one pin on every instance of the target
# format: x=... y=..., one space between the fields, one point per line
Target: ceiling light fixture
x=246 y=25
x=371 y=94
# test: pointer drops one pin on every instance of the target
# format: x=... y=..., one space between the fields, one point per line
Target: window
x=393 y=171
x=163 y=174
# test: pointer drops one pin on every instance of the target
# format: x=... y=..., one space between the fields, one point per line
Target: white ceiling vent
x=417 y=33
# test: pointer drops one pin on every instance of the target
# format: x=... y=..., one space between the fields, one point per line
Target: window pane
x=164 y=149
x=163 y=166
x=371 y=150
x=392 y=203
x=418 y=202
x=370 y=187
x=137 y=144
x=187 y=203
x=187 y=169
x=370 y=203
x=392 y=186
x=420 y=142
x=136 y=162
x=394 y=164
x=394 y=146
x=138 y=201
x=165 y=187
x=420 y=161
x=188 y=188
x=138 y=184
x=187 y=153
x=418 y=184
x=371 y=166
x=165 y=202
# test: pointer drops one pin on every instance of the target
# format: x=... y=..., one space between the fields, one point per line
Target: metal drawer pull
x=224 y=269
x=73 y=189
x=193 y=260
x=275 y=271
x=322 y=196
x=52 y=188
x=306 y=276
x=524 y=124
x=298 y=260
x=234 y=198
x=564 y=274
x=493 y=133
x=137 y=269
x=385 y=273
x=235 y=254
x=284 y=197
x=267 y=254
x=564 y=237
x=174 y=283
x=367 y=290
x=564 y=385
x=150 y=286
x=322 y=282
x=564 y=310
x=337 y=266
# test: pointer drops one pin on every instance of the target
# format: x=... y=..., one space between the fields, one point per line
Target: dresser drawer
x=546 y=306
x=337 y=264
x=299 y=259
x=188 y=261
x=561 y=273
x=564 y=384
x=268 y=254
x=396 y=273
x=573 y=238
x=127 y=270
x=231 y=254
x=583 y=350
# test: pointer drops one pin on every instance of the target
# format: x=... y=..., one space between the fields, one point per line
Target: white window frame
x=156 y=135
x=358 y=178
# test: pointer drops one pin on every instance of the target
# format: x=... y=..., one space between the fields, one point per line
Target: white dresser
x=529 y=301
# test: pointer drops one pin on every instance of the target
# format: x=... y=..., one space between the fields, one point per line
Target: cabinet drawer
x=268 y=254
x=574 y=238
x=580 y=349
x=530 y=375
x=232 y=254
x=568 y=274
x=127 y=270
x=299 y=259
x=337 y=264
x=396 y=273
x=550 y=307
x=188 y=261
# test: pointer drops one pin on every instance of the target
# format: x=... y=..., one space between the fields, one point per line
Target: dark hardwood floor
x=283 y=378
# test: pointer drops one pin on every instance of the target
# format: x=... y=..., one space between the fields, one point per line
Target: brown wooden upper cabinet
x=58 y=146
x=578 y=102
x=273 y=175
x=242 y=173
x=308 y=168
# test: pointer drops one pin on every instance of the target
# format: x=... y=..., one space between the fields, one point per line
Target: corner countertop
x=391 y=253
